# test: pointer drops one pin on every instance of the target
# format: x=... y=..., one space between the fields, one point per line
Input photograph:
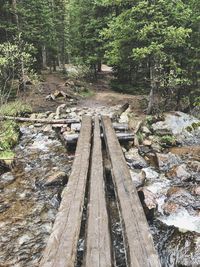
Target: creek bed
x=28 y=207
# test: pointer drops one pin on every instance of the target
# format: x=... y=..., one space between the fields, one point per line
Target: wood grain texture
x=138 y=239
x=62 y=244
x=98 y=244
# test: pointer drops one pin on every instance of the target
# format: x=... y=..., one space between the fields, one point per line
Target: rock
x=6 y=179
x=146 y=130
x=58 y=177
x=41 y=116
x=59 y=110
x=51 y=116
x=194 y=165
x=179 y=172
x=156 y=147
x=174 y=123
x=69 y=83
x=4 y=166
x=167 y=161
x=147 y=142
x=76 y=127
x=161 y=128
x=149 y=174
x=196 y=112
x=196 y=190
x=124 y=118
x=137 y=178
x=170 y=207
x=47 y=129
x=148 y=201
x=134 y=159
x=4 y=207
x=175 y=191
x=33 y=116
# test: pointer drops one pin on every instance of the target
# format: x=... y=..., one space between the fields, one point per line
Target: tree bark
x=44 y=57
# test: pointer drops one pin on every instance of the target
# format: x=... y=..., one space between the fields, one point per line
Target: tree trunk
x=155 y=84
x=153 y=88
x=44 y=57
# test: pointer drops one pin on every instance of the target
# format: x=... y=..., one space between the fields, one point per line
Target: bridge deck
x=61 y=250
x=98 y=244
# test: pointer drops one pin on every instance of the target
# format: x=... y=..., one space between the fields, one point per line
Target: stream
x=28 y=202
x=31 y=193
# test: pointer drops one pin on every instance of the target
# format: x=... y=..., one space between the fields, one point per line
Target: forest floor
x=100 y=94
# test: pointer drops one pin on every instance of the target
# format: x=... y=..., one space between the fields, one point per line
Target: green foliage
x=9 y=135
x=168 y=140
x=127 y=88
x=9 y=130
x=87 y=93
x=15 y=108
x=197 y=102
x=7 y=156
x=12 y=56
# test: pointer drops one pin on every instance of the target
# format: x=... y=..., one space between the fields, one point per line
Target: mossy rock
x=167 y=141
x=195 y=125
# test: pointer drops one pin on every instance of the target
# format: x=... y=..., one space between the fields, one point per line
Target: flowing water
x=176 y=225
x=28 y=207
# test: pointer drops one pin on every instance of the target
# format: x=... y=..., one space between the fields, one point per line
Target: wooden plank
x=98 y=243
x=138 y=239
x=62 y=244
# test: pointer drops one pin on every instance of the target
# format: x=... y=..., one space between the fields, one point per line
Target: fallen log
x=47 y=121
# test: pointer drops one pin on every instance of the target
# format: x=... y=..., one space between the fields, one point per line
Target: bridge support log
x=62 y=245
x=138 y=239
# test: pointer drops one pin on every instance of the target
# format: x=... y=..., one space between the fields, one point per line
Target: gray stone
x=134 y=159
x=6 y=179
x=179 y=172
x=137 y=178
x=146 y=130
x=149 y=174
x=167 y=161
x=58 y=177
x=174 y=123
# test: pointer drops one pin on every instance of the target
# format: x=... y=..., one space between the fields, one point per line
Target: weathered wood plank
x=62 y=244
x=98 y=244
x=138 y=239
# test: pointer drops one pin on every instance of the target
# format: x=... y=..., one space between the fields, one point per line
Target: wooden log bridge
x=84 y=214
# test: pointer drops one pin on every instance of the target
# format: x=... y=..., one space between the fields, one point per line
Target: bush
x=15 y=108
x=127 y=88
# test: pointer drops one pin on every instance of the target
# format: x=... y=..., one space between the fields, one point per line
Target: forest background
x=153 y=46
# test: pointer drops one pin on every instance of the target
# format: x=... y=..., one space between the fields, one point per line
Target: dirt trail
x=102 y=95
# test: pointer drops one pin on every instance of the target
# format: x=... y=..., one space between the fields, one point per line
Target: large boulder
x=174 y=123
